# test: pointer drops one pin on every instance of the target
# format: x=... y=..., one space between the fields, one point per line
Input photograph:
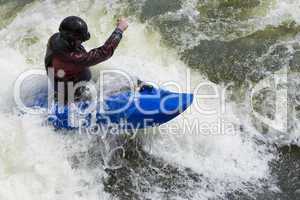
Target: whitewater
x=241 y=162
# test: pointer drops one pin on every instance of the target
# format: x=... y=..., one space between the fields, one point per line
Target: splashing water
x=38 y=163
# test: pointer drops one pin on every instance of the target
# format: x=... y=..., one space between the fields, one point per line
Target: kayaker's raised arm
x=97 y=55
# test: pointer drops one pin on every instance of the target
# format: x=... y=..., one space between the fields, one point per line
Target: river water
x=234 y=44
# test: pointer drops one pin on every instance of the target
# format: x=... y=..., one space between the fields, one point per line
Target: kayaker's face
x=78 y=43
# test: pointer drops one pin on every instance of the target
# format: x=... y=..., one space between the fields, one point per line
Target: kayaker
x=69 y=60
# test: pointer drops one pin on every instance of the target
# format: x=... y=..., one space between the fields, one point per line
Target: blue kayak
x=128 y=110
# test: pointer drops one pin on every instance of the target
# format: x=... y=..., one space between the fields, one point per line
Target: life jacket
x=70 y=63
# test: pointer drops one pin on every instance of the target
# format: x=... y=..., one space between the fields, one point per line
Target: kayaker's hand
x=122 y=24
x=146 y=87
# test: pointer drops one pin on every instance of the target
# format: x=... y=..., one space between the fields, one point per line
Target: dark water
x=8 y=13
x=236 y=52
x=227 y=41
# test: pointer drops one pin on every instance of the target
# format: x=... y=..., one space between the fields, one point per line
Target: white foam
x=34 y=159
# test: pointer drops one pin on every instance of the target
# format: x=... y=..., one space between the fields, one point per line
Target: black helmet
x=74 y=28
